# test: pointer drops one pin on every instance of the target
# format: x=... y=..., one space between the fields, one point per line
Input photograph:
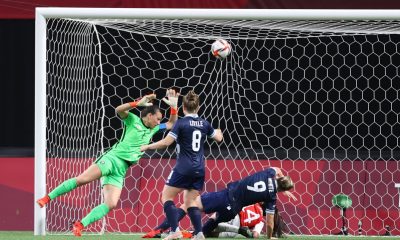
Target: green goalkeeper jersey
x=135 y=134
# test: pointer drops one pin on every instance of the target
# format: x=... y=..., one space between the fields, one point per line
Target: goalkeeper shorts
x=113 y=169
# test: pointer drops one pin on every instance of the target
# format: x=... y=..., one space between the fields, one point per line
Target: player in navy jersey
x=258 y=187
x=227 y=203
x=190 y=133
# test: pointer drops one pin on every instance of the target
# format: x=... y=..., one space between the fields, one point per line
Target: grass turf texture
x=29 y=235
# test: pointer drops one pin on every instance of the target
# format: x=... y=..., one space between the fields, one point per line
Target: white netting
x=320 y=99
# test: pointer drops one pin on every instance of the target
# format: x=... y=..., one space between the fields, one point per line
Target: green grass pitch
x=29 y=235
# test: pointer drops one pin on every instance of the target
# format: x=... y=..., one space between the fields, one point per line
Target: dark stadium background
x=17 y=86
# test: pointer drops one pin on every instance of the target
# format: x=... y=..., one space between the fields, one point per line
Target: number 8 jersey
x=258 y=187
x=190 y=134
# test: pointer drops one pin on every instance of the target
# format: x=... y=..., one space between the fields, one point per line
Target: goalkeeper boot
x=43 y=201
x=77 y=228
x=246 y=232
x=199 y=236
x=153 y=234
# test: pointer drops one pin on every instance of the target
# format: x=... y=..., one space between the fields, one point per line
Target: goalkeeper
x=111 y=167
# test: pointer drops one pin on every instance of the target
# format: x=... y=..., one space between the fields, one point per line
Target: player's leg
x=181 y=212
x=256 y=231
x=89 y=175
x=112 y=195
x=168 y=195
x=193 y=211
x=216 y=202
x=113 y=181
x=190 y=199
x=175 y=184
x=229 y=229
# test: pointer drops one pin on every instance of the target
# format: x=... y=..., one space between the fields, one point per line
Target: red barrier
x=370 y=185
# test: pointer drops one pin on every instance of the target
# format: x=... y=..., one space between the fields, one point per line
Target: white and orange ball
x=220 y=48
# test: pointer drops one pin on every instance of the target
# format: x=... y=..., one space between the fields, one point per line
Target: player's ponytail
x=191 y=102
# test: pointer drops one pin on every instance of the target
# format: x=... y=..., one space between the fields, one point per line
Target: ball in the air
x=220 y=48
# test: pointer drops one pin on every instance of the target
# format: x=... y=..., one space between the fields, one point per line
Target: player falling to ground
x=249 y=223
x=190 y=133
x=113 y=164
x=262 y=186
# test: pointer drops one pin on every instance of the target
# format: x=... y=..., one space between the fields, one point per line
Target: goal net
x=320 y=99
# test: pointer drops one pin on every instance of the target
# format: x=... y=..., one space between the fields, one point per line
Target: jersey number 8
x=196 y=137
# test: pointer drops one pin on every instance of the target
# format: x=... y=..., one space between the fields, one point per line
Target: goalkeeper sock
x=96 y=214
x=195 y=218
x=165 y=224
x=209 y=226
x=170 y=211
x=66 y=186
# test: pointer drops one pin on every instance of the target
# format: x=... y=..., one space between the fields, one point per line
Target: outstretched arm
x=172 y=100
x=270 y=225
x=218 y=135
x=163 y=143
x=279 y=174
x=290 y=195
x=123 y=109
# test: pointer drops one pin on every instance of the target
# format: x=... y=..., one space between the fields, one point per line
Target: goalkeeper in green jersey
x=113 y=164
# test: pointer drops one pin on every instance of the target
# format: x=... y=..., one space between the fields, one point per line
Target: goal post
x=312 y=91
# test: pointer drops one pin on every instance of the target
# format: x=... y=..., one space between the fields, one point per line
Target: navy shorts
x=218 y=202
x=178 y=180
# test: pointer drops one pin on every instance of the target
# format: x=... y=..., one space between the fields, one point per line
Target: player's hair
x=191 y=101
x=150 y=109
x=284 y=183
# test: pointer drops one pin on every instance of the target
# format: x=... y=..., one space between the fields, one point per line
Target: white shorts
x=234 y=222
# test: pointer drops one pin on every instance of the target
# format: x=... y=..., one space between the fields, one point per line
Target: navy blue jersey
x=190 y=133
x=259 y=187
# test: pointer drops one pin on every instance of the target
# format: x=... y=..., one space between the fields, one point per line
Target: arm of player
x=270 y=225
x=218 y=135
x=257 y=229
x=163 y=143
x=123 y=109
x=290 y=195
x=172 y=100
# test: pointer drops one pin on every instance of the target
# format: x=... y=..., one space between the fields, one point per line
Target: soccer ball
x=220 y=48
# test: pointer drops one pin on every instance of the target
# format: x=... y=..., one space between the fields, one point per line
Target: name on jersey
x=196 y=123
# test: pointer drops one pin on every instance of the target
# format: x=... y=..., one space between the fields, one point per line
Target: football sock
x=66 y=186
x=180 y=214
x=170 y=211
x=195 y=217
x=165 y=224
x=96 y=214
x=209 y=226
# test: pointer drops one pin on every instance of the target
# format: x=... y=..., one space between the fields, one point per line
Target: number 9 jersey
x=258 y=187
x=190 y=134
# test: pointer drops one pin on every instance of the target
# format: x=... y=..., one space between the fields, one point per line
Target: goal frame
x=150 y=13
